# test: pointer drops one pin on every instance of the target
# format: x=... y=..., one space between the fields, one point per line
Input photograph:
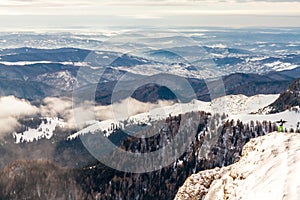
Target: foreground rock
x=268 y=169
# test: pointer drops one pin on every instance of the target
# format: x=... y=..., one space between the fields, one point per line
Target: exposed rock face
x=197 y=185
x=288 y=99
x=268 y=169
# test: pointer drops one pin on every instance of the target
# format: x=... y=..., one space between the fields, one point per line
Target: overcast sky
x=151 y=12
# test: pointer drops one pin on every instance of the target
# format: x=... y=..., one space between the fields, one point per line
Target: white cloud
x=103 y=3
x=63 y=107
x=128 y=7
x=53 y=106
x=126 y=108
x=184 y=2
x=13 y=108
x=41 y=3
x=150 y=12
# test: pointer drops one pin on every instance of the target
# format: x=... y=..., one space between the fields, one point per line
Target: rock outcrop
x=268 y=169
x=197 y=185
x=287 y=100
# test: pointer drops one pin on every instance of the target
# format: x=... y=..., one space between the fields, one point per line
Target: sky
x=236 y=13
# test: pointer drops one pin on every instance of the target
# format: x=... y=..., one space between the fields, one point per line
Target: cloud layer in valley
x=13 y=109
x=63 y=107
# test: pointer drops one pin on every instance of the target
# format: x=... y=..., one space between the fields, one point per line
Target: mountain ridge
x=287 y=100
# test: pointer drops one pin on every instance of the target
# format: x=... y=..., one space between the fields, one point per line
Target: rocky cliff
x=287 y=100
x=268 y=169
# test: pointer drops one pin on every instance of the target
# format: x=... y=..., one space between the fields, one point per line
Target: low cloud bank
x=13 y=109
x=86 y=111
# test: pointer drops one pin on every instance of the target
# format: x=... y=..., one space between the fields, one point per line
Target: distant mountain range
x=36 y=73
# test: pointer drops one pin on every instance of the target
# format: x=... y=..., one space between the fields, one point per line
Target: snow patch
x=280 y=66
x=45 y=130
x=22 y=63
x=221 y=46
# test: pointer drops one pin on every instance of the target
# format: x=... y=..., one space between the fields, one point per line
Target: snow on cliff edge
x=268 y=169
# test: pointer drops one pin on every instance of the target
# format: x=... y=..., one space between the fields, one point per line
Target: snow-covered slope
x=292 y=117
x=268 y=169
x=238 y=104
x=45 y=130
x=144 y=118
x=179 y=69
x=231 y=104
